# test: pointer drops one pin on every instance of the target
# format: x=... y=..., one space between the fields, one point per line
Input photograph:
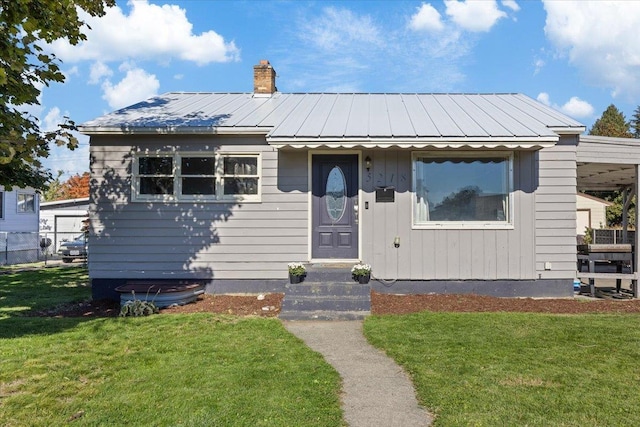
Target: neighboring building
x=591 y=212
x=438 y=192
x=62 y=220
x=19 y=240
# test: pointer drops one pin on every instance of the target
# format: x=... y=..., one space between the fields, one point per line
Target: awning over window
x=415 y=144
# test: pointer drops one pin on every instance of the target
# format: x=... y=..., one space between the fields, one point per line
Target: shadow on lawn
x=23 y=294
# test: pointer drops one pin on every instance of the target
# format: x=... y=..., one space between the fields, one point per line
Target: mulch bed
x=402 y=304
x=269 y=306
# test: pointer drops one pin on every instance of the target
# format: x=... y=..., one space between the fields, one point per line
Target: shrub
x=138 y=308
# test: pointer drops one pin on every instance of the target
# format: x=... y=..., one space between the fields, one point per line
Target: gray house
x=19 y=241
x=437 y=192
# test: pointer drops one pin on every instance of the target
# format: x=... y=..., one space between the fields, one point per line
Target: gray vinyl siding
x=556 y=210
x=598 y=149
x=256 y=240
x=444 y=254
x=249 y=240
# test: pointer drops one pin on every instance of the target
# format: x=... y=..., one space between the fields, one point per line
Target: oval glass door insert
x=336 y=191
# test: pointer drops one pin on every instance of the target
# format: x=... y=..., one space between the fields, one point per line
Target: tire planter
x=161 y=294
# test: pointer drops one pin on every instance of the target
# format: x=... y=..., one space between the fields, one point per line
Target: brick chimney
x=264 y=79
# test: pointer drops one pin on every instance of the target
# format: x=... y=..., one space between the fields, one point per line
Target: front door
x=334 y=206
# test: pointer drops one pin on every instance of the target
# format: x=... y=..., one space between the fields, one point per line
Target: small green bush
x=138 y=308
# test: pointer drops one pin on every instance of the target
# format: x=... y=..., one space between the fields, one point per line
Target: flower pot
x=364 y=279
x=295 y=279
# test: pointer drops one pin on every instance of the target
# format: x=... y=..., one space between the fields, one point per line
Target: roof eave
x=174 y=130
x=417 y=142
x=568 y=130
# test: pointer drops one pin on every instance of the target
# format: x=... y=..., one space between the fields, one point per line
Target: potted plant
x=296 y=272
x=361 y=273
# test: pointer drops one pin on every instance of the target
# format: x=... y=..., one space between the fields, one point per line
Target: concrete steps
x=327 y=293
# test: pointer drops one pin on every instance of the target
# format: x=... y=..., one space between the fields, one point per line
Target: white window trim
x=135 y=182
x=220 y=185
x=462 y=225
x=177 y=195
x=35 y=203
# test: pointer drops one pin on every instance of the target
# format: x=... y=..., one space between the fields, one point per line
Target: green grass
x=162 y=370
x=516 y=369
x=21 y=291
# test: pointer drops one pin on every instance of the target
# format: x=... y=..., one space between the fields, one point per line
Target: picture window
x=462 y=189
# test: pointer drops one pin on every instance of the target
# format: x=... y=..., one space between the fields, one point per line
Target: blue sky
x=578 y=57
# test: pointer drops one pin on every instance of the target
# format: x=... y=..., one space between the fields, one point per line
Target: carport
x=606 y=164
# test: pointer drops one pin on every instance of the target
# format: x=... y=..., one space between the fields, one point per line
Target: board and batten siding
x=443 y=254
x=556 y=210
x=238 y=240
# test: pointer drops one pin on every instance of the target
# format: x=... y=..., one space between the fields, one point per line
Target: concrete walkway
x=376 y=391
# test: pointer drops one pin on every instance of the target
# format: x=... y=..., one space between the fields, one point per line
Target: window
x=26 y=203
x=462 y=189
x=240 y=175
x=155 y=175
x=197 y=176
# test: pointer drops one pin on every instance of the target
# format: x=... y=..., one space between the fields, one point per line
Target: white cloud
x=574 y=107
x=341 y=49
x=136 y=86
x=475 y=16
x=538 y=65
x=426 y=18
x=60 y=157
x=511 y=4
x=51 y=120
x=99 y=70
x=600 y=39
x=340 y=27
x=71 y=162
x=73 y=71
x=544 y=98
x=149 y=31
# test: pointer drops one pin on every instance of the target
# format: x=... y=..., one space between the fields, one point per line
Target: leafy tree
x=611 y=123
x=614 y=212
x=76 y=187
x=52 y=189
x=635 y=122
x=25 y=25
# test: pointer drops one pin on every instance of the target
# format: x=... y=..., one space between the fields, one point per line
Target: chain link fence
x=19 y=248
x=29 y=247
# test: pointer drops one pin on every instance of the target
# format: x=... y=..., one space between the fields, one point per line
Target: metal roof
x=347 y=119
x=606 y=163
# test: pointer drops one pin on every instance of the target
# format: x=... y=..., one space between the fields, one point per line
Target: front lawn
x=23 y=291
x=516 y=369
x=162 y=370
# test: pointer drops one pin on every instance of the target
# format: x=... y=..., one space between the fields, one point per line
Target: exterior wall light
x=367 y=163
